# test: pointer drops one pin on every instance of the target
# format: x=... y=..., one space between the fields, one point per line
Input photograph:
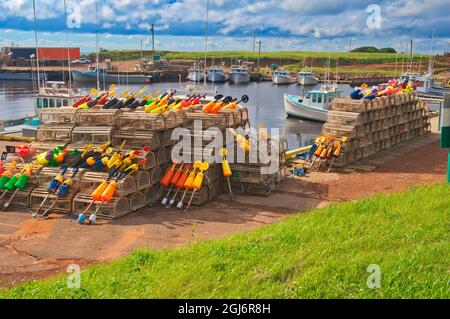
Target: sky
x=281 y=25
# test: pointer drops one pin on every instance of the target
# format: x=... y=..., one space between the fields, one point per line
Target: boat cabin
x=319 y=99
x=305 y=74
x=281 y=73
x=238 y=69
x=55 y=94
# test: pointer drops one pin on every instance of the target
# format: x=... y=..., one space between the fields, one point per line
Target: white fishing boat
x=196 y=74
x=90 y=76
x=282 y=77
x=239 y=74
x=216 y=74
x=307 y=78
x=314 y=105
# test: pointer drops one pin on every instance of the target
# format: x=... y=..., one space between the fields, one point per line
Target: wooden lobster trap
x=150 y=195
x=97 y=117
x=22 y=197
x=156 y=174
x=137 y=139
x=240 y=116
x=47 y=174
x=61 y=115
x=90 y=180
x=34 y=172
x=143 y=179
x=206 y=120
x=166 y=137
x=84 y=135
x=117 y=207
x=55 y=133
x=136 y=201
x=41 y=147
x=58 y=204
x=139 y=120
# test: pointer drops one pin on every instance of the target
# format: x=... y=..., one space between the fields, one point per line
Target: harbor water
x=265 y=107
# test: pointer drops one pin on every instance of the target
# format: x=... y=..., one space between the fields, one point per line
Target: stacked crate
x=55 y=129
x=254 y=176
x=376 y=125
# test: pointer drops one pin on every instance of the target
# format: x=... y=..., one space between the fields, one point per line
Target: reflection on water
x=265 y=107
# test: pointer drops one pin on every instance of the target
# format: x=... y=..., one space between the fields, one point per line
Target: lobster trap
x=55 y=133
x=61 y=115
x=85 y=135
x=139 y=120
x=90 y=180
x=136 y=201
x=150 y=195
x=203 y=120
x=240 y=116
x=97 y=117
x=41 y=147
x=47 y=174
x=117 y=207
x=136 y=139
x=58 y=204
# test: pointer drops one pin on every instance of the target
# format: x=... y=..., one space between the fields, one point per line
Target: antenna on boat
x=96 y=39
x=67 y=43
x=206 y=37
x=36 y=46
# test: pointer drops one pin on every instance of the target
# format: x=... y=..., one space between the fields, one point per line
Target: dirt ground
x=32 y=248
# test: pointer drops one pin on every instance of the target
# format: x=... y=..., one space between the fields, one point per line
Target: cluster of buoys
x=223 y=103
x=183 y=177
x=325 y=148
x=12 y=182
x=385 y=89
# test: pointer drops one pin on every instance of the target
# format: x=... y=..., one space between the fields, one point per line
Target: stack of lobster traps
x=375 y=125
x=256 y=174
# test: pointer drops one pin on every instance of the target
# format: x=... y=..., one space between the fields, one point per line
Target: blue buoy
x=81 y=218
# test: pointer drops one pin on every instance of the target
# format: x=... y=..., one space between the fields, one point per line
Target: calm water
x=265 y=105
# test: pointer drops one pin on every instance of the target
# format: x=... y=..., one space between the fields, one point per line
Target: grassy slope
x=322 y=254
x=283 y=56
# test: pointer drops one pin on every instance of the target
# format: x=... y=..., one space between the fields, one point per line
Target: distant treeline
x=374 y=50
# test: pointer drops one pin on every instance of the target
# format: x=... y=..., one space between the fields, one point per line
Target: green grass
x=281 y=57
x=321 y=254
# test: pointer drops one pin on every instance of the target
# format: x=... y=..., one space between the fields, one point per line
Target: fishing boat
x=426 y=86
x=21 y=76
x=314 y=105
x=307 y=78
x=282 y=77
x=216 y=74
x=90 y=76
x=239 y=74
x=196 y=74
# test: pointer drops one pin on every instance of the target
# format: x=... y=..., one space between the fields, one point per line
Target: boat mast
x=206 y=38
x=68 y=52
x=96 y=39
x=36 y=46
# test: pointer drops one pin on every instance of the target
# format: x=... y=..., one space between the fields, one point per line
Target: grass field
x=284 y=57
x=321 y=254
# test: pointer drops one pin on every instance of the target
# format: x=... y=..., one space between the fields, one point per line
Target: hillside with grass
x=324 y=253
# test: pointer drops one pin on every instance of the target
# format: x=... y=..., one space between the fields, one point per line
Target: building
x=22 y=56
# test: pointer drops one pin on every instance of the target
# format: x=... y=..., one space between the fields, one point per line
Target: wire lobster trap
x=136 y=201
x=150 y=195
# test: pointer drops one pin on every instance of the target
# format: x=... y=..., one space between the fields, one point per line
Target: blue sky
x=298 y=25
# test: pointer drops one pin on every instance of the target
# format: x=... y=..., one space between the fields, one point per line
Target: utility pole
x=259 y=52
x=142 y=57
x=98 y=49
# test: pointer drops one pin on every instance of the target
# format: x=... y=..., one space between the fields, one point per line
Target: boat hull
x=282 y=80
x=89 y=77
x=216 y=77
x=11 y=76
x=196 y=77
x=297 y=110
x=307 y=81
x=239 y=77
